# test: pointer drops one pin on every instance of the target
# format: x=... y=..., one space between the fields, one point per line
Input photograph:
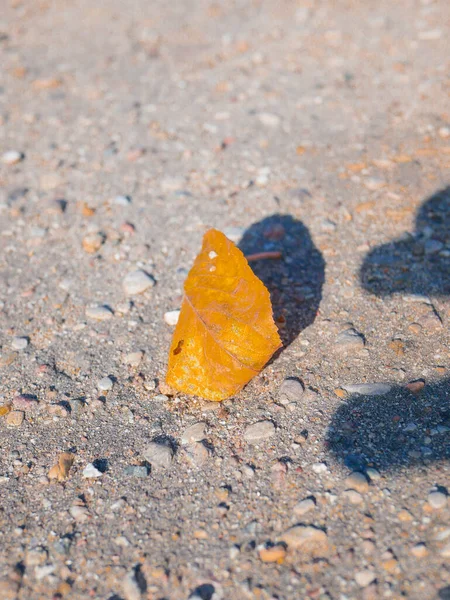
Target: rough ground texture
x=320 y=129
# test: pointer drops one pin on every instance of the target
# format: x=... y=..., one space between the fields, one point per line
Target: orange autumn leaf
x=225 y=332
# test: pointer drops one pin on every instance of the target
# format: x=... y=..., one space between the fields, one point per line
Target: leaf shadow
x=295 y=280
x=399 y=429
x=418 y=262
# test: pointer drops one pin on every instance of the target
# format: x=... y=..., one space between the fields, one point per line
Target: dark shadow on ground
x=295 y=281
x=419 y=262
x=399 y=429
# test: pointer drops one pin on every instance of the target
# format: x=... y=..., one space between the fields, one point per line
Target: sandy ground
x=320 y=129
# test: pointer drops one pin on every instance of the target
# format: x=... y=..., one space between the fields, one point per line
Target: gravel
x=296 y=129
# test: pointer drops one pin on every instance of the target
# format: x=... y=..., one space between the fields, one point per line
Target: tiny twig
x=263 y=255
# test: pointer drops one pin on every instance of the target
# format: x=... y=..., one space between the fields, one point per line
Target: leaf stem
x=262 y=255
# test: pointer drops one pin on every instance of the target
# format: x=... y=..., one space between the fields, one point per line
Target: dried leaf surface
x=61 y=470
x=225 y=332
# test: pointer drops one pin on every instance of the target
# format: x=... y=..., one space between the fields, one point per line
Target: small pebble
x=194 y=433
x=160 y=397
x=91 y=472
x=374 y=183
x=259 y=432
x=415 y=386
x=79 y=513
x=92 y=242
x=105 y=384
x=158 y=455
x=172 y=184
x=373 y=474
x=15 y=418
x=99 y=313
x=132 y=586
x=122 y=200
x=137 y=282
x=368 y=547
x=436 y=499
x=357 y=481
x=307 y=538
x=269 y=119
x=197 y=453
x=365 y=577
x=171 y=317
x=354 y=496
x=133 y=358
x=445 y=551
x=320 y=467
x=248 y=472
x=124 y=308
x=405 y=515
x=419 y=550
x=444 y=132
x=290 y=390
x=12 y=157
x=135 y=471
x=350 y=340
x=19 y=343
x=272 y=553
x=368 y=389
x=304 y=506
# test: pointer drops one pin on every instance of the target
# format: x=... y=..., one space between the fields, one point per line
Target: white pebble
x=368 y=389
x=304 y=506
x=320 y=467
x=258 y=432
x=269 y=119
x=354 y=496
x=365 y=577
x=171 y=317
x=91 y=472
x=12 y=157
x=444 y=132
x=373 y=474
x=99 y=313
x=122 y=200
x=130 y=586
x=137 y=282
x=19 y=343
x=437 y=499
x=133 y=358
x=105 y=384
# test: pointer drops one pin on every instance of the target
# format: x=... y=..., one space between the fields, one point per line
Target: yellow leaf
x=225 y=332
x=61 y=470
